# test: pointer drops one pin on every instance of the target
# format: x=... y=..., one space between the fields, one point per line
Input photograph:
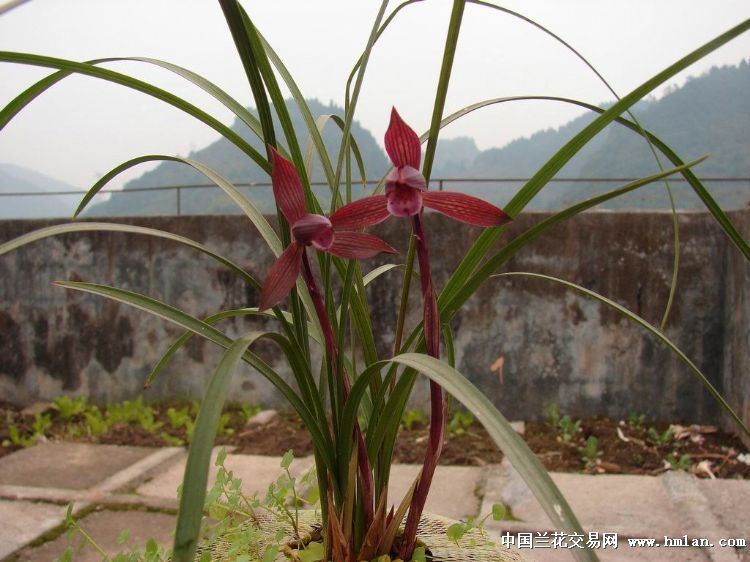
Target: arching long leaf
x=571 y=148
x=507 y=439
x=195 y=481
x=58 y=229
x=320 y=437
x=250 y=210
x=320 y=123
x=133 y=83
x=648 y=327
x=492 y=264
x=33 y=91
x=187 y=336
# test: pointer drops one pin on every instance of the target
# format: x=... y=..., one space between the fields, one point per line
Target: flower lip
x=313 y=230
x=402 y=201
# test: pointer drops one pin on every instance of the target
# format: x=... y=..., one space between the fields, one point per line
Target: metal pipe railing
x=441 y=182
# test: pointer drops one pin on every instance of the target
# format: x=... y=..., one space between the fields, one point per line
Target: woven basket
x=473 y=547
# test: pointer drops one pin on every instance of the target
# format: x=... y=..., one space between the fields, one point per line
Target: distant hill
x=233 y=164
x=709 y=114
x=16 y=179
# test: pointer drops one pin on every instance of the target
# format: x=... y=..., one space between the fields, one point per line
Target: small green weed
x=17 y=439
x=457 y=531
x=68 y=407
x=96 y=424
x=636 y=420
x=590 y=451
x=660 y=439
x=552 y=414
x=247 y=411
x=460 y=422
x=682 y=462
x=413 y=417
x=39 y=427
x=151 y=553
x=134 y=411
x=569 y=427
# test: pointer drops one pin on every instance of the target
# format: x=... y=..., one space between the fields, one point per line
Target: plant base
x=474 y=546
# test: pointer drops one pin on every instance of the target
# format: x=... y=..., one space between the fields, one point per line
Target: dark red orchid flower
x=307 y=230
x=406 y=190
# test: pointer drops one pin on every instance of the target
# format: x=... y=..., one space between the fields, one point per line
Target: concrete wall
x=526 y=343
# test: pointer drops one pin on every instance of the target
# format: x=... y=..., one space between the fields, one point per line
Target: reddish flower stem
x=437 y=402
x=365 y=470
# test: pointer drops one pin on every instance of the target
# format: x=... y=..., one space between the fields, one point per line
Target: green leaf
x=498 y=512
x=199 y=456
x=213 y=319
x=456 y=531
x=573 y=146
x=351 y=104
x=441 y=91
x=320 y=123
x=124 y=80
x=521 y=457
x=123 y=537
x=495 y=262
x=321 y=439
x=499 y=429
x=312 y=127
x=313 y=552
x=117 y=227
x=270 y=553
x=287 y=459
x=221 y=457
x=653 y=330
x=207 y=86
x=250 y=210
x=248 y=56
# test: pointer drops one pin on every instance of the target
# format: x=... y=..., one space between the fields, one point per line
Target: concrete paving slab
x=632 y=506
x=256 y=472
x=22 y=522
x=453 y=493
x=730 y=502
x=697 y=515
x=625 y=554
x=74 y=466
x=105 y=527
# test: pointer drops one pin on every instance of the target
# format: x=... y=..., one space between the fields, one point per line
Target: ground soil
x=622 y=448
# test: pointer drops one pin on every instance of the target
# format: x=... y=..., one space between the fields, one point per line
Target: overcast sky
x=83 y=127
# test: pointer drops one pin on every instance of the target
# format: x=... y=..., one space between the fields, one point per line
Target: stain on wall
x=556 y=346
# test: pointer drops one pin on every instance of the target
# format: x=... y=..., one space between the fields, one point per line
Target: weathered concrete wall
x=736 y=304
x=526 y=343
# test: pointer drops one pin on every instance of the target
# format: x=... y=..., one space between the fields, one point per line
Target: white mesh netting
x=473 y=547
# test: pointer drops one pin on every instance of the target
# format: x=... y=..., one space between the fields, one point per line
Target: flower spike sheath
x=319 y=232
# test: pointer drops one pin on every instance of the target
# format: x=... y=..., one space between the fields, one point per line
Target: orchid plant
x=352 y=409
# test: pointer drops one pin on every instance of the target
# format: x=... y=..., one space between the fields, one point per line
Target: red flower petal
x=282 y=277
x=287 y=188
x=360 y=213
x=465 y=208
x=402 y=143
x=358 y=245
x=431 y=323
